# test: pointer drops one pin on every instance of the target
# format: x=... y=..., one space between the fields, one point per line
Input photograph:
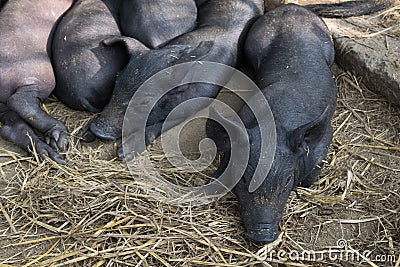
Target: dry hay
x=93 y=213
x=384 y=24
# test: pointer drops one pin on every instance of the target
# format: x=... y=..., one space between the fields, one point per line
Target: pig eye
x=244 y=180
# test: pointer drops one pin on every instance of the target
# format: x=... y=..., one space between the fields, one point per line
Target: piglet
x=219 y=37
x=85 y=67
x=26 y=75
x=291 y=52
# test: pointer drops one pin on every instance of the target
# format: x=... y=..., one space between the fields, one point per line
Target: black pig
x=222 y=26
x=85 y=67
x=156 y=22
x=26 y=74
x=291 y=52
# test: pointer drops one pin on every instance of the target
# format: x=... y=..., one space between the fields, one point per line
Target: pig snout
x=264 y=232
x=262 y=210
x=261 y=222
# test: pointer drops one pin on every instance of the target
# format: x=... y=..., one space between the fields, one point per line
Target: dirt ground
x=93 y=212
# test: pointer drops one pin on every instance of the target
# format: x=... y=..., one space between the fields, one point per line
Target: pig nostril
x=265 y=234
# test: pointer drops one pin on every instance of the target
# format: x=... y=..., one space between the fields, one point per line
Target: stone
x=375 y=57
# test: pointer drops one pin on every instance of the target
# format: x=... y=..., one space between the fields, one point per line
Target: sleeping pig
x=85 y=67
x=291 y=52
x=219 y=36
x=26 y=75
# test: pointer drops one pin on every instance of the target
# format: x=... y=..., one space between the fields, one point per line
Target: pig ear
x=215 y=130
x=310 y=133
x=131 y=45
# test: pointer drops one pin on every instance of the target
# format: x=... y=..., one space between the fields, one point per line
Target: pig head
x=297 y=160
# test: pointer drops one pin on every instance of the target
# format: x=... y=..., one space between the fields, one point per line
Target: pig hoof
x=88 y=137
x=120 y=151
x=44 y=150
x=128 y=156
x=122 y=156
x=85 y=134
x=263 y=233
x=105 y=131
x=57 y=138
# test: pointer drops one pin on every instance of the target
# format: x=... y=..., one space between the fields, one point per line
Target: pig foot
x=20 y=133
x=85 y=134
x=26 y=104
x=136 y=146
x=57 y=137
x=133 y=147
x=120 y=151
x=101 y=128
x=134 y=143
x=105 y=129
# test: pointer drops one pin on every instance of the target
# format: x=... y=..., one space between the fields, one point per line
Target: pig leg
x=18 y=131
x=26 y=103
x=151 y=133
